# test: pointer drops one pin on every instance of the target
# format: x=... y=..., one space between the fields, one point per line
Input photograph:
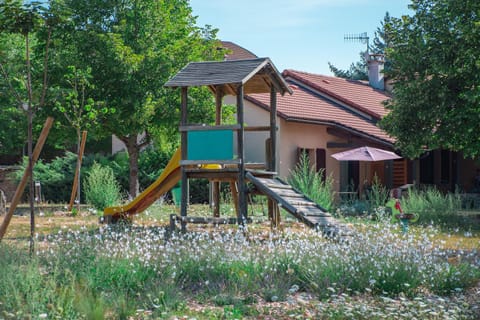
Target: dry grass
x=19 y=228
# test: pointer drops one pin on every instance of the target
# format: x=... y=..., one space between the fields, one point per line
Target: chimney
x=375 y=71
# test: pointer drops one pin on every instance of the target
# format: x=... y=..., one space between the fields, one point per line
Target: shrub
x=312 y=183
x=101 y=188
x=56 y=177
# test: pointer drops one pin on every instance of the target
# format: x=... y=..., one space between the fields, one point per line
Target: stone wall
x=7 y=184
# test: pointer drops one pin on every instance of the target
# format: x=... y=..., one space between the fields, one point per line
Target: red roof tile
x=357 y=94
x=306 y=106
x=236 y=52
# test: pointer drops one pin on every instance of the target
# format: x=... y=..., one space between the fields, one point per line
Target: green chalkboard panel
x=210 y=145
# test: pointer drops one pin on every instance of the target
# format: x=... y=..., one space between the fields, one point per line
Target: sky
x=303 y=35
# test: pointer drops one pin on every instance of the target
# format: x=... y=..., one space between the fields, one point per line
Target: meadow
x=84 y=270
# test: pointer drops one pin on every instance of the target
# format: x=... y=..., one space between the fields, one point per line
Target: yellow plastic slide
x=167 y=180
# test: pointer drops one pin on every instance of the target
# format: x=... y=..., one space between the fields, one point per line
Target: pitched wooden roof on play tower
x=257 y=76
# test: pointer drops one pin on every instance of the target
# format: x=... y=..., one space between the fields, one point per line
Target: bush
x=56 y=176
x=101 y=188
x=311 y=183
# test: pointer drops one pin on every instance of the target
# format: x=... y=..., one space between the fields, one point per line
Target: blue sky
x=298 y=34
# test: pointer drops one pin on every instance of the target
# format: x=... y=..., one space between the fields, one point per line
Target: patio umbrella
x=365 y=154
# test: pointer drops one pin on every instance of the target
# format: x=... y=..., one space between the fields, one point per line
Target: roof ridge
x=230 y=61
x=237 y=51
x=355 y=81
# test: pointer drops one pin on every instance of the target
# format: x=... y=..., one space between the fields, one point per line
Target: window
x=321 y=162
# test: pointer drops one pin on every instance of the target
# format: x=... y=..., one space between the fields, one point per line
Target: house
x=323 y=116
x=326 y=115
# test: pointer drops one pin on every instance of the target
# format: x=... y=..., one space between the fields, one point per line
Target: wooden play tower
x=217 y=152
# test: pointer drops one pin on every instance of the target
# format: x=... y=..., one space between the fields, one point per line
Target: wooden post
x=272 y=166
x=242 y=190
x=184 y=142
x=273 y=209
x=234 y=190
x=218 y=121
x=21 y=187
x=76 y=179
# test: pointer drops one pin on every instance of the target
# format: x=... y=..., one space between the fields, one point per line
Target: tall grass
x=433 y=207
x=378 y=194
x=114 y=273
x=314 y=184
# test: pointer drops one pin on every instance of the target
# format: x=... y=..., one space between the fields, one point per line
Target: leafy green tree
x=81 y=111
x=29 y=86
x=359 y=69
x=133 y=47
x=435 y=66
x=11 y=115
x=356 y=71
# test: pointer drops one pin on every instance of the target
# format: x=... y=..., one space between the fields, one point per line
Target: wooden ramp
x=299 y=205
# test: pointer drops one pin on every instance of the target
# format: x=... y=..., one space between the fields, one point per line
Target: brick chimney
x=375 y=71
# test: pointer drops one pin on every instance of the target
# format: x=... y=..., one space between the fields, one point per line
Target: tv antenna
x=359 y=38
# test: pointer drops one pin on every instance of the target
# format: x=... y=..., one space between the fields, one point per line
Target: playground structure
x=217 y=152
x=167 y=180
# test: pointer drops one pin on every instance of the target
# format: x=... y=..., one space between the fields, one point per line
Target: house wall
x=306 y=136
x=254 y=143
x=118 y=145
x=290 y=137
x=7 y=183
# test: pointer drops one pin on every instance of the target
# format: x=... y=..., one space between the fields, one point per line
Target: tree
x=81 y=111
x=11 y=116
x=359 y=69
x=133 y=47
x=25 y=21
x=435 y=65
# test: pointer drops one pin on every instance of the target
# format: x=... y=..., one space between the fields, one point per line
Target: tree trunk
x=133 y=149
x=30 y=145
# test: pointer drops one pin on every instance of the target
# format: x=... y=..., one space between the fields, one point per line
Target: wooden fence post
x=21 y=187
x=77 y=171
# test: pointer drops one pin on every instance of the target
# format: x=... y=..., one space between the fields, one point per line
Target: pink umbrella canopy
x=365 y=154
